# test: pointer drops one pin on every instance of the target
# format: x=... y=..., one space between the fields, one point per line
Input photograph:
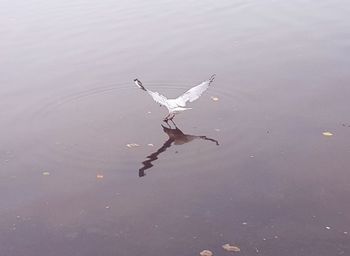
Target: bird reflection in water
x=176 y=137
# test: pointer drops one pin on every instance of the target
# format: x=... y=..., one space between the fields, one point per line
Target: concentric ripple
x=91 y=127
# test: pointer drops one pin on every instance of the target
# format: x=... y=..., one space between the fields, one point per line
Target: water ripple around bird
x=91 y=126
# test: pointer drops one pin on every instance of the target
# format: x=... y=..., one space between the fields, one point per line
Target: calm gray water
x=263 y=178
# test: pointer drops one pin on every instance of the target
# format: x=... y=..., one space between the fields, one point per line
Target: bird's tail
x=183 y=109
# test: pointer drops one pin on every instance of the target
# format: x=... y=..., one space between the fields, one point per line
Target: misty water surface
x=252 y=169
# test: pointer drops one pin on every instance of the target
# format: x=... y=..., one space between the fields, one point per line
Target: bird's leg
x=166 y=118
x=173 y=123
x=167 y=122
x=171 y=118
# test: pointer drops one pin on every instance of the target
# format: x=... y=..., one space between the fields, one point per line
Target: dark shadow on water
x=176 y=137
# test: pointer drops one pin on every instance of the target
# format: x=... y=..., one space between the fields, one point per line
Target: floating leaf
x=206 y=253
x=99 y=176
x=231 y=248
x=328 y=134
x=214 y=98
x=132 y=145
x=150 y=144
x=46 y=173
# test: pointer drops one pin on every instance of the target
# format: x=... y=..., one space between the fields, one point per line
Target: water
x=262 y=176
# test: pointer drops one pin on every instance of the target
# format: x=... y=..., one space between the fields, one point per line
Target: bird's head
x=137 y=81
x=139 y=84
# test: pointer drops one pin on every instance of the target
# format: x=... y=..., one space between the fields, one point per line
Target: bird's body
x=178 y=105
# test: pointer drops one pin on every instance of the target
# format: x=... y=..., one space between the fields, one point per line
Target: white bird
x=175 y=106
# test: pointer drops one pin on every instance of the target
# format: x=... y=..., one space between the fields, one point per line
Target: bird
x=178 y=105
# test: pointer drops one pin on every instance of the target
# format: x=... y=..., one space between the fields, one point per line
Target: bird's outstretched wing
x=160 y=99
x=194 y=93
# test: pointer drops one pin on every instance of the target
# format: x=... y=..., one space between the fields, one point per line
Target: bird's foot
x=167 y=122
x=166 y=119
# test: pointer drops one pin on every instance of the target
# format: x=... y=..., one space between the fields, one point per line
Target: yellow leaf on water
x=206 y=253
x=328 y=134
x=132 y=145
x=231 y=248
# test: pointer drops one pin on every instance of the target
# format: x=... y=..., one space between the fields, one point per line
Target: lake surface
x=251 y=168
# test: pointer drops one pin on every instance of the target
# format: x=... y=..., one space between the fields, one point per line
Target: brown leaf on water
x=206 y=253
x=231 y=248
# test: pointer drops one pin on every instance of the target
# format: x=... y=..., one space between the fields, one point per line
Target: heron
x=178 y=105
